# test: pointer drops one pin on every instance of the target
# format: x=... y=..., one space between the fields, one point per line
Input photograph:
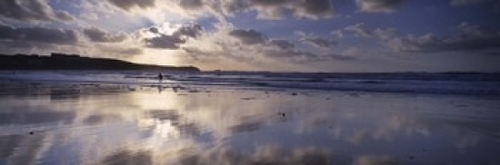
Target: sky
x=263 y=35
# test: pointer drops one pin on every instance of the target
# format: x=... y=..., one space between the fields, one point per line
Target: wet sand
x=95 y=123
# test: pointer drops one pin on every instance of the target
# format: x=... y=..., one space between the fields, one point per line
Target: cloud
x=375 y=160
x=271 y=10
x=318 y=42
x=39 y=35
x=191 y=4
x=249 y=37
x=299 y=56
x=292 y=55
x=385 y=34
x=154 y=30
x=313 y=40
x=41 y=40
x=278 y=48
x=362 y=30
x=129 y=4
x=119 y=51
x=31 y=10
x=277 y=9
x=164 y=41
x=64 y=15
x=377 y=6
x=466 y=2
x=282 y=44
x=313 y=9
x=335 y=56
x=190 y=30
x=255 y=48
x=337 y=33
x=160 y=11
x=98 y=35
x=269 y=3
x=469 y=38
x=159 y=37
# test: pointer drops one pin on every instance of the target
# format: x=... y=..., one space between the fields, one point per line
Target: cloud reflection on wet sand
x=100 y=125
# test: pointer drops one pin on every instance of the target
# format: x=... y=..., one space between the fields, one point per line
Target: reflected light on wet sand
x=113 y=124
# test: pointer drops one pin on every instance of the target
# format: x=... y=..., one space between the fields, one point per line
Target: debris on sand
x=248 y=98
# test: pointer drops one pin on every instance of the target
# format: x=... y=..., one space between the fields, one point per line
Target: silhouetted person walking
x=160 y=76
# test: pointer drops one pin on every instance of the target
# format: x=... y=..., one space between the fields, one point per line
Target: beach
x=174 y=122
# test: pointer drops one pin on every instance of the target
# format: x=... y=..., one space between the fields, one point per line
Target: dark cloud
x=269 y=9
x=38 y=34
x=154 y=30
x=250 y=37
x=318 y=42
x=253 y=37
x=282 y=44
x=174 y=40
x=128 y=4
x=334 y=56
x=470 y=38
x=268 y=3
x=98 y=35
x=268 y=48
x=164 y=41
x=191 y=4
x=190 y=30
x=378 y=5
x=466 y=2
x=28 y=10
x=276 y=9
x=230 y=7
x=312 y=8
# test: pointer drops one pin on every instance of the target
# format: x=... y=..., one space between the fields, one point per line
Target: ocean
x=423 y=83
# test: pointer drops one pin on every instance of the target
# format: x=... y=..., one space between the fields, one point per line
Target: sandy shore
x=44 y=122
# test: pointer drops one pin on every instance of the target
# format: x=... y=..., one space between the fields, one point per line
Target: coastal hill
x=59 y=61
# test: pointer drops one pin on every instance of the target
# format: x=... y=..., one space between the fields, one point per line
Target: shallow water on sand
x=78 y=123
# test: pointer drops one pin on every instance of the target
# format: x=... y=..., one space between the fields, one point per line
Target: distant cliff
x=57 y=61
